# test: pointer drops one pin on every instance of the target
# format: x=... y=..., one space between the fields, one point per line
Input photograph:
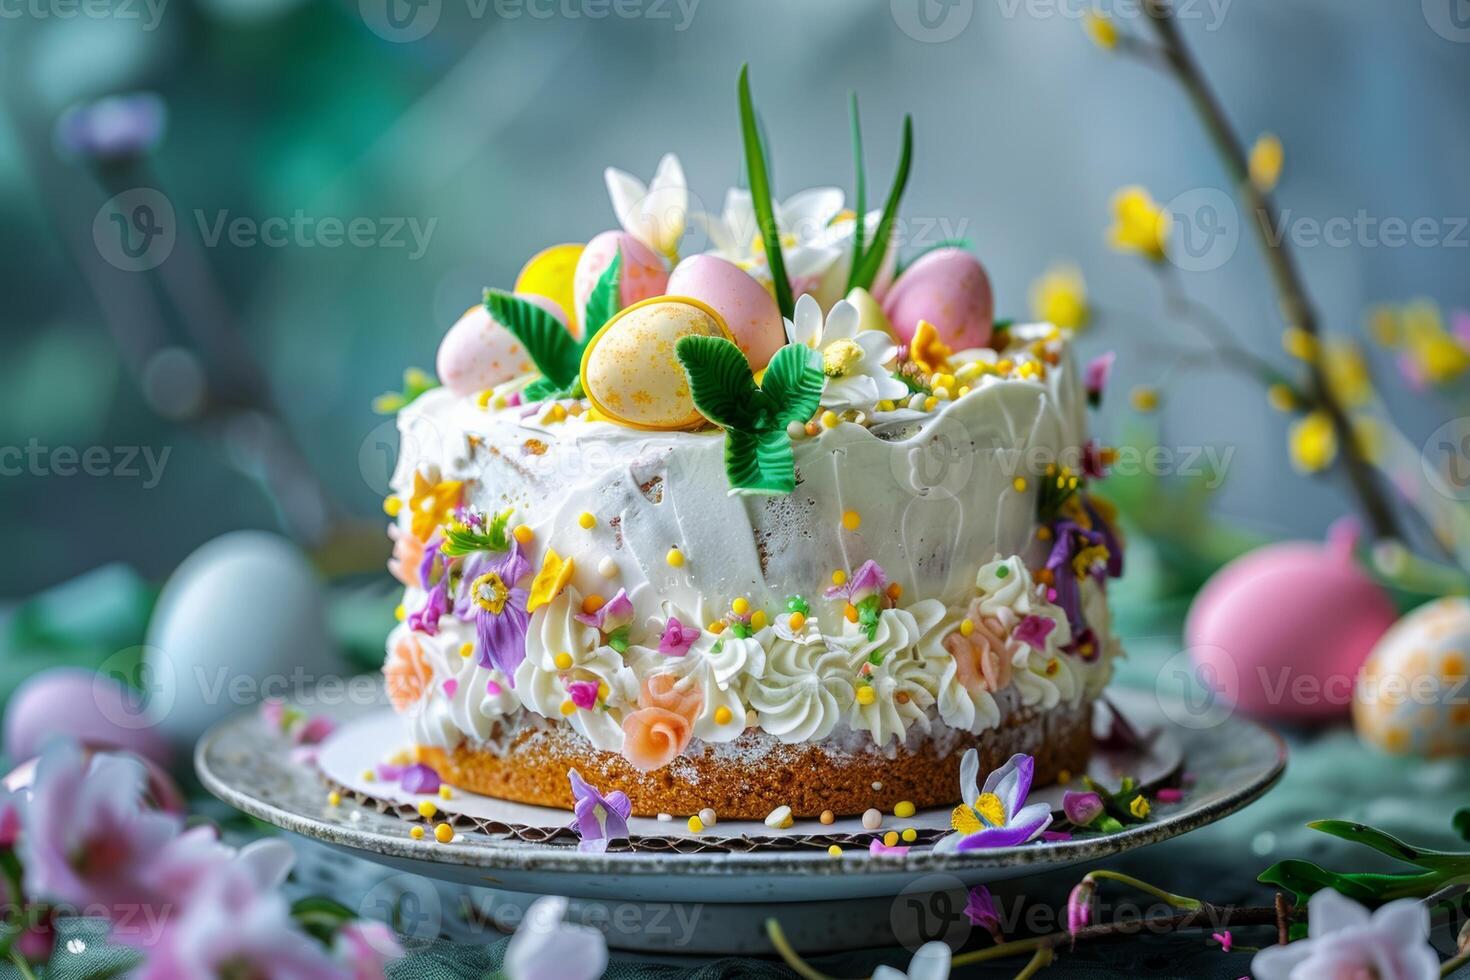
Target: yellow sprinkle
x=445 y=793
x=740 y=606
x=675 y=558
x=903 y=810
x=834 y=850
x=334 y=798
x=392 y=505
x=368 y=775
x=931 y=403
x=851 y=519
x=866 y=695
x=722 y=715
x=465 y=649
x=967 y=626
x=563 y=661
x=427 y=809
x=829 y=419
x=1144 y=398
x=909 y=835
x=884 y=406
x=796 y=622
x=592 y=603
x=568 y=709
x=558 y=413
x=1020 y=484
x=587 y=520
x=696 y=825
x=603 y=690
x=483 y=398
x=416 y=832
x=1100 y=29
x=890 y=839
x=941 y=393
x=444 y=833
x=758 y=619
x=1064 y=776
x=718 y=626
x=964 y=390
x=523 y=533
x=1139 y=807
x=851 y=612
x=399 y=613
x=839 y=577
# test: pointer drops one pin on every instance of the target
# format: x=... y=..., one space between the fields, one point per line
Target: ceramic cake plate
x=1230 y=765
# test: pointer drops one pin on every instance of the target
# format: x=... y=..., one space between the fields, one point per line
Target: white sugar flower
x=804 y=221
x=1343 y=940
x=655 y=213
x=547 y=947
x=854 y=360
x=930 y=962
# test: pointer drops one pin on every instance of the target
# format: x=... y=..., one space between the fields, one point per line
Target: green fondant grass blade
x=862 y=193
x=872 y=262
x=553 y=350
x=760 y=195
x=605 y=301
x=794 y=382
x=759 y=463
x=720 y=382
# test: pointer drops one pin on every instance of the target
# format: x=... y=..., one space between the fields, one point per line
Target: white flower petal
x=808 y=213
x=1329 y=912
x=547 y=948
x=969 y=773
x=803 y=261
x=1277 y=962
x=719 y=234
x=931 y=962
x=627 y=193
x=740 y=216
x=807 y=322
x=842 y=323
x=1404 y=920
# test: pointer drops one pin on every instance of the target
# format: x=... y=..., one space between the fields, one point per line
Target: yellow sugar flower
x=927 y=350
x=1140 y=224
x=1101 y=29
x=555 y=572
x=1060 y=297
x=1266 y=158
x=1347 y=373
x=1313 y=442
x=431 y=504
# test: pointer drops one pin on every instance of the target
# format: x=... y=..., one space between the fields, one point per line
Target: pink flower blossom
x=1079 y=906
x=1225 y=939
x=677 y=638
x=583 y=694
x=1082 y=808
x=1033 y=630
x=981 y=910
x=365 y=947
x=1344 y=940
x=611 y=616
x=1095 y=378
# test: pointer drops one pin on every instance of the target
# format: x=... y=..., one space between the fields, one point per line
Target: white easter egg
x=1413 y=694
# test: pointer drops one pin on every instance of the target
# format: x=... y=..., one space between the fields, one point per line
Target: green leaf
x=321 y=917
x=794 y=382
x=872 y=263
x=605 y=301
x=462 y=539
x=760 y=194
x=721 y=383
x=1461 y=822
x=1385 y=843
x=1304 y=879
x=556 y=353
x=861 y=225
x=760 y=463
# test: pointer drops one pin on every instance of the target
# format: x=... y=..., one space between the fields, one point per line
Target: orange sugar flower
x=653 y=737
x=668 y=692
x=408 y=554
x=407 y=673
x=983 y=658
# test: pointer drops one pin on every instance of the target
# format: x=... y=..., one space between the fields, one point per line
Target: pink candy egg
x=1282 y=631
x=91 y=709
x=747 y=308
x=478 y=353
x=643 y=273
x=949 y=288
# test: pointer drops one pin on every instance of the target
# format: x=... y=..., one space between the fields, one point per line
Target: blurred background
x=457 y=137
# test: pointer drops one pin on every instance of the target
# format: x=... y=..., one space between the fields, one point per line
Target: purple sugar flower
x=981 y=910
x=876 y=846
x=599 y=818
x=583 y=694
x=116 y=129
x=1034 y=630
x=1071 y=539
x=865 y=583
x=611 y=616
x=419 y=778
x=996 y=815
x=425 y=619
x=677 y=638
x=1095 y=378
x=489 y=595
x=433 y=562
x=1082 y=808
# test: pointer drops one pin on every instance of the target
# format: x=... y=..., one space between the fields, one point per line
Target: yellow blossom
x=431 y=504
x=1280 y=397
x=1144 y=398
x=1266 y=158
x=1060 y=297
x=1347 y=373
x=1140 y=225
x=1299 y=344
x=1383 y=325
x=1313 y=442
x=1101 y=29
x=555 y=572
x=1438 y=354
x=927 y=350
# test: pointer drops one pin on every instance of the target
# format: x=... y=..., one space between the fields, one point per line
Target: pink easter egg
x=1282 y=631
x=643 y=275
x=949 y=288
x=749 y=311
x=97 y=711
x=479 y=353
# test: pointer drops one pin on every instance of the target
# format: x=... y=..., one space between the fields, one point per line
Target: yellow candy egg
x=549 y=274
x=1412 y=694
x=630 y=370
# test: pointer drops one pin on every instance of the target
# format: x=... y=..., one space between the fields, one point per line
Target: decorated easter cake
x=779 y=523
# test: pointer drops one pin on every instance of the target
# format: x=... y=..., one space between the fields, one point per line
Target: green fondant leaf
x=861 y=225
x=794 y=381
x=721 y=383
x=867 y=270
x=760 y=194
x=605 y=301
x=759 y=463
x=555 y=352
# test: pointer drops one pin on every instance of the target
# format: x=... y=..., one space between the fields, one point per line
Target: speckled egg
x=630 y=370
x=643 y=275
x=1281 y=632
x=752 y=315
x=1413 y=694
x=479 y=353
x=949 y=288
